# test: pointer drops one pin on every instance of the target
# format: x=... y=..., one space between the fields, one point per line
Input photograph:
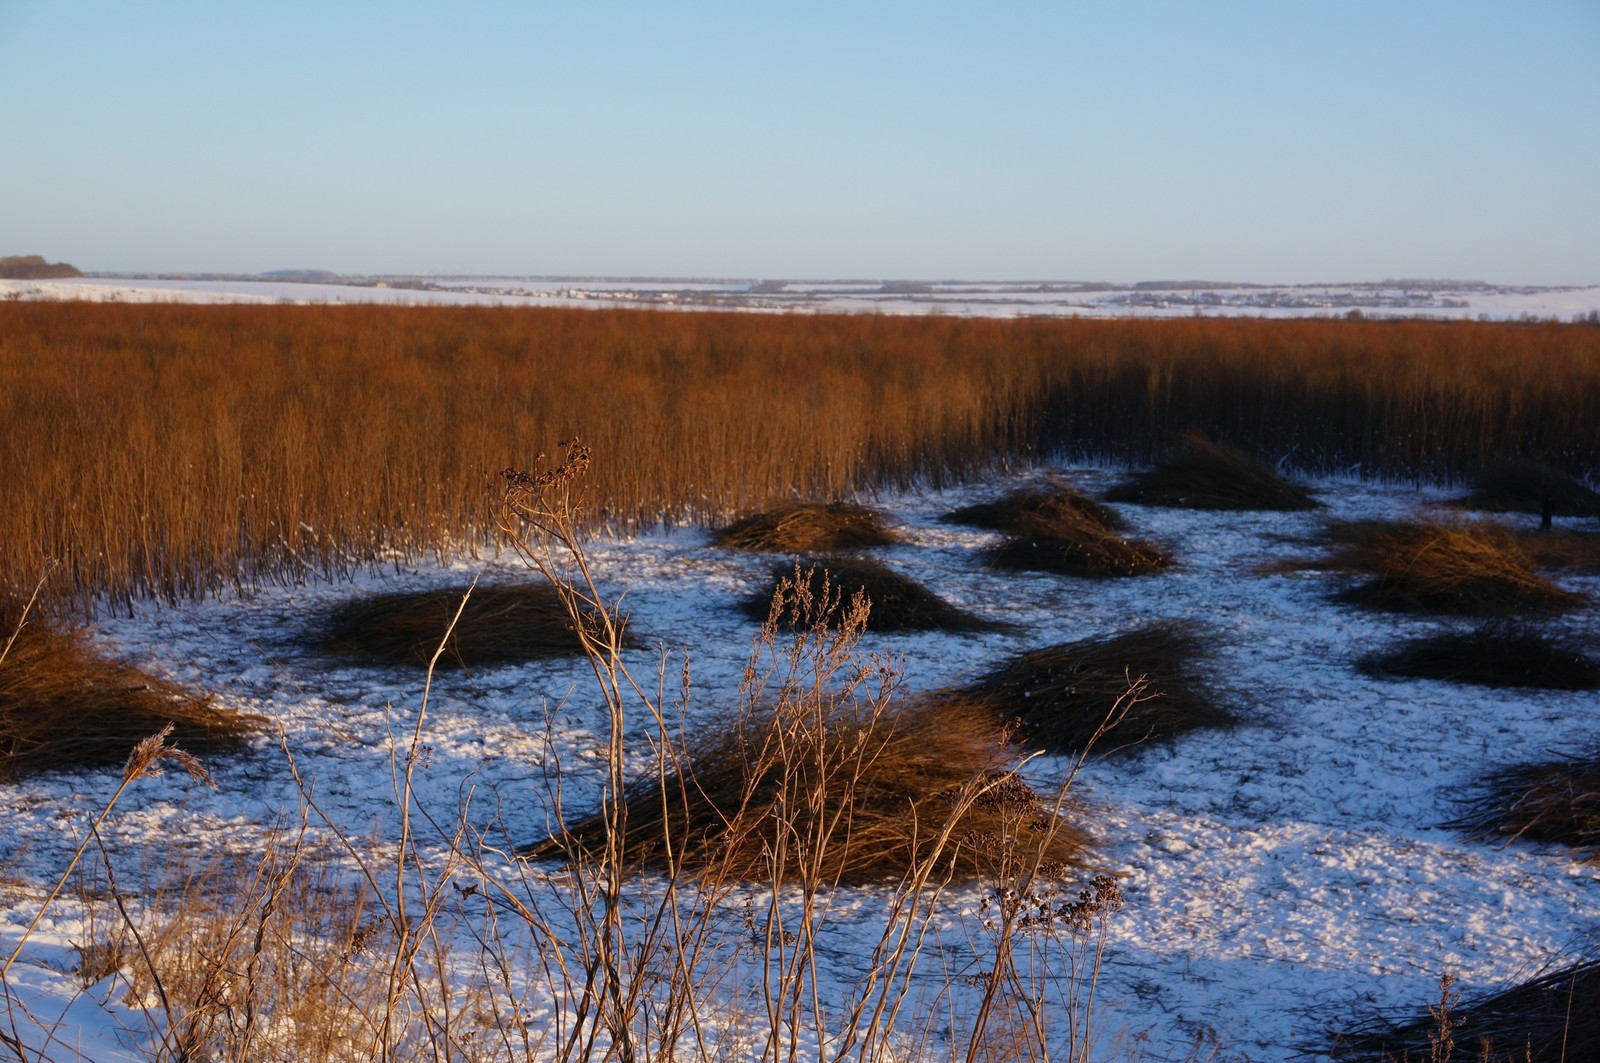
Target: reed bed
x=1468 y=568
x=889 y=779
x=169 y=451
x=897 y=602
x=1063 y=698
x=63 y=704
x=1496 y=654
x=1553 y=1017
x=807 y=528
x=1200 y=474
x=498 y=624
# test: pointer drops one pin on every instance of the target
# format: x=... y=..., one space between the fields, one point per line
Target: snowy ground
x=1282 y=879
x=960 y=298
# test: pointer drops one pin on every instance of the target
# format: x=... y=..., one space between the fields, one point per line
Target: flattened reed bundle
x=807 y=528
x=1522 y=486
x=1201 y=474
x=1563 y=550
x=1496 y=654
x=890 y=780
x=1551 y=1018
x=1470 y=568
x=1554 y=801
x=64 y=705
x=1026 y=509
x=501 y=624
x=1062 y=696
x=1074 y=545
x=898 y=603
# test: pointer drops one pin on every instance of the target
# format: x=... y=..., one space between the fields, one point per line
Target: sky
x=1274 y=142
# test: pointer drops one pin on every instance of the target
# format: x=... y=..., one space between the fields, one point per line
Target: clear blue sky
x=1278 y=141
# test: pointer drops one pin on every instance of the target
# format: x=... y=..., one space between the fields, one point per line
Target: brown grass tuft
x=1497 y=654
x=1553 y=801
x=1522 y=486
x=1551 y=1018
x=64 y=705
x=891 y=779
x=501 y=624
x=1024 y=510
x=1201 y=474
x=807 y=528
x=1073 y=545
x=1472 y=568
x=898 y=603
x=1060 y=696
x=1563 y=550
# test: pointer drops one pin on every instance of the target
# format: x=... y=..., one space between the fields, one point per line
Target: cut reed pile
x=1201 y=474
x=1496 y=654
x=1554 y=801
x=807 y=528
x=169 y=450
x=1023 y=510
x=1521 y=486
x=886 y=782
x=65 y=705
x=1563 y=550
x=1058 y=529
x=499 y=624
x=898 y=603
x=1552 y=1018
x=1062 y=696
x=1470 y=568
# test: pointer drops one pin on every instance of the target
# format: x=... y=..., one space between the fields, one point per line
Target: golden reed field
x=168 y=450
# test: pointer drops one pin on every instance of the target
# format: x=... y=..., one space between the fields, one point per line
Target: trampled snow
x=1284 y=880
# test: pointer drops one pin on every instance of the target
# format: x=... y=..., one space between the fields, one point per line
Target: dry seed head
x=147 y=756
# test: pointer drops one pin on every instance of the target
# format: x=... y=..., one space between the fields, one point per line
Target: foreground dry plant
x=167 y=450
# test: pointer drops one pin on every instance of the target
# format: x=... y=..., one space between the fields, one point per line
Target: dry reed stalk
x=1061 y=696
x=500 y=624
x=898 y=603
x=807 y=528
x=62 y=704
x=1471 y=568
x=1497 y=654
x=1201 y=474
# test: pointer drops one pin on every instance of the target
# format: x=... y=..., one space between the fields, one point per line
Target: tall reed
x=171 y=450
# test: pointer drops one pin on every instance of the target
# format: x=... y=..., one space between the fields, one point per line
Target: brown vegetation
x=897 y=602
x=1470 y=568
x=63 y=704
x=1024 y=510
x=1200 y=474
x=1554 y=801
x=167 y=450
x=1497 y=654
x=888 y=778
x=1551 y=1018
x=1062 y=696
x=1527 y=486
x=807 y=528
x=499 y=624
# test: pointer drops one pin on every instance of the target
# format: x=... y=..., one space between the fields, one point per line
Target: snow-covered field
x=1283 y=879
x=961 y=298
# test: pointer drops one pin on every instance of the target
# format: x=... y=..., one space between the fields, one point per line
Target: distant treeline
x=34 y=268
x=169 y=450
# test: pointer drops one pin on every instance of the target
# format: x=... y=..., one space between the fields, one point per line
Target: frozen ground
x=961 y=298
x=1283 y=879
